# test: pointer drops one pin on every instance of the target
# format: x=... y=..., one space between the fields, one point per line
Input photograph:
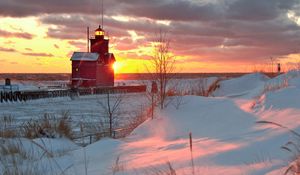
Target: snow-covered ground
x=226 y=137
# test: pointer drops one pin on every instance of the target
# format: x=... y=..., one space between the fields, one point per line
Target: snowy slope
x=248 y=85
x=226 y=137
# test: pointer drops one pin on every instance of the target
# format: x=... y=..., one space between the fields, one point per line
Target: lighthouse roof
x=84 y=56
x=99 y=29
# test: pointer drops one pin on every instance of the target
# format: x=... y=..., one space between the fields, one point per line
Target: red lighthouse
x=95 y=68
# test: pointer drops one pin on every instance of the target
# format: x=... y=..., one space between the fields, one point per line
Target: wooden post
x=152 y=106
x=88 y=39
x=1 y=97
x=191 y=142
x=191 y=150
x=114 y=134
x=153 y=91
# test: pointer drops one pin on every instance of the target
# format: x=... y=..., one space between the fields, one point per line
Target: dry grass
x=166 y=169
x=8 y=134
x=48 y=125
x=117 y=167
x=17 y=158
x=201 y=88
x=294 y=166
x=292 y=147
x=269 y=87
x=6 y=131
x=64 y=127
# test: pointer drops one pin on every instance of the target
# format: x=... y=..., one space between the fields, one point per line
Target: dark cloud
x=38 y=54
x=23 y=35
x=56 y=46
x=81 y=46
x=155 y=9
x=124 y=44
x=172 y=10
x=66 y=33
x=74 y=27
x=257 y=10
x=13 y=62
x=9 y=42
x=68 y=27
x=21 y=8
x=134 y=55
x=219 y=30
x=3 y=49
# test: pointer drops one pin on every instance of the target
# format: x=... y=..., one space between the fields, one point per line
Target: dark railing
x=33 y=95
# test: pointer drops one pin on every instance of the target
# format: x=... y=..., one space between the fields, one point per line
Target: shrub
x=64 y=127
x=49 y=126
x=269 y=87
x=201 y=87
x=6 y=127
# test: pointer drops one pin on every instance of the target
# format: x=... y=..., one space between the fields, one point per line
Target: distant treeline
x=125 y=76
x=35 y=77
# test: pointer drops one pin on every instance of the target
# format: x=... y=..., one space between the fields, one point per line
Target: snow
x=248 y=86
x=225 y=134
x=84 y=108
x=283 y=99
x=84 y=56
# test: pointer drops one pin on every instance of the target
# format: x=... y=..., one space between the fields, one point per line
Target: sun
x=116 y=67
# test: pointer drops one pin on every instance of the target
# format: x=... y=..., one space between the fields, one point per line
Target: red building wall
x=84 y=73
x=99 y=46
x=105 y=75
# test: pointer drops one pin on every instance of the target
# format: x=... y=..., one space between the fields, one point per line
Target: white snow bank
x=295 y=82
x=194 y=117
x=97 y=158
x=282 y=99
x=247 y=85
x=226 y=137
x=220 y=129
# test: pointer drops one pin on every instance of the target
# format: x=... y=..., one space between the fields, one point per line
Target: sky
x=205 y=35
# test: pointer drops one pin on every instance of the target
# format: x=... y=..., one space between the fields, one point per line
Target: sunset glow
x=117 y=67
x=206 y=36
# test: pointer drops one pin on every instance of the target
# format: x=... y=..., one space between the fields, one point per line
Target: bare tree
x=162 y=66
x=111 y=106
x=178 y=99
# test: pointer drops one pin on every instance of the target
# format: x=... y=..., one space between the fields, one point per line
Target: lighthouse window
x=99 y=33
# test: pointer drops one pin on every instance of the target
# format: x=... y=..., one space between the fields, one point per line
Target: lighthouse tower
x=94 y=68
